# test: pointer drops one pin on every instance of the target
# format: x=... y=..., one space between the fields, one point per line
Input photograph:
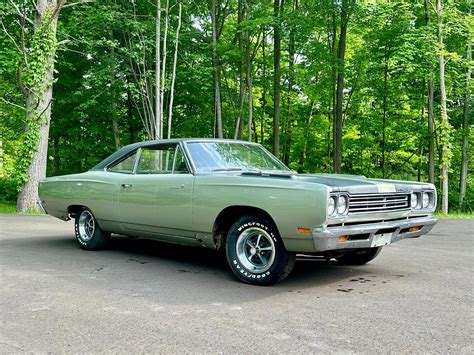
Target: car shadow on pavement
x=206 y=265
x=309 y=271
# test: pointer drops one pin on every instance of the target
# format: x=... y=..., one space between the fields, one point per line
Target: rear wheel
x=359 y=256
x=89 y=235
x=255 y=252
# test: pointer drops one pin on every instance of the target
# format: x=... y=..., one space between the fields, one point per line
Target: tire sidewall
x=267 y=277
x=90 y=244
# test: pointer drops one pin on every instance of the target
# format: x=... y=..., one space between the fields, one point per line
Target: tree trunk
x=264 y=88
x=332 y=102
x=239 y=124
x=291 y=77
x=131 y=127
x=216 y=74
x=431 y=143
x=431 y=131
x=173 y=78
x=384 y=116
x=338 y=119
x=249 y=86
x=277 y=8
x=421 y=143
x=444 y=126
x=38 y=106
x=163 y=69
x=158 y=117
x=302 y=160
x=115 y=127
x=56 y=156
x=465 y=124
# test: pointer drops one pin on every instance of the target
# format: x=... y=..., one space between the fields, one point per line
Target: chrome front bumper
x=367 y=235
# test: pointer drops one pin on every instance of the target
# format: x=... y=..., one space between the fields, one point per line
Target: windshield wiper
x=278 y=172
x=226 y=169
x=243 y=170
x=255 y=171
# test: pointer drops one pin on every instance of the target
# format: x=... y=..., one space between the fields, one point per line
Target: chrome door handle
x=126 y=185
x=178 y=187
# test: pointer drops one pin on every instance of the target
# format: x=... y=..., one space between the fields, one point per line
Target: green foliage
x=8 y=190
x=42 y=47
x=389 y=54
x=39 y=60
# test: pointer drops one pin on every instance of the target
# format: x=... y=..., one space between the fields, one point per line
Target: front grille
x=378 y=203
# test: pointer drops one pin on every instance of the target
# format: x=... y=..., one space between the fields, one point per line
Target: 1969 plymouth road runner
x=236 y=196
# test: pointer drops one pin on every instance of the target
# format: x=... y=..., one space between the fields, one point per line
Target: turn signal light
x=414 y=229
x=343 y=238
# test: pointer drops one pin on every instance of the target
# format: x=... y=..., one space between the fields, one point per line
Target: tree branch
x=44 y=110
x=58 y=8
x=21 y=14
x=64 y=41
x=257 y=45
x=10 y=36
x=22 y=86
x=77 y=3
x=434 y=8
x=22 y=43
x=12 y=104
x=64 y=49
x=35 y=5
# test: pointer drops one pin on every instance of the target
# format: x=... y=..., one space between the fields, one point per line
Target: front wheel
x=359 y=256
x=89 y=235
x=255 y=252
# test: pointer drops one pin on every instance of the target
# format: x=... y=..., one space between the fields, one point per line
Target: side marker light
x=304 y=230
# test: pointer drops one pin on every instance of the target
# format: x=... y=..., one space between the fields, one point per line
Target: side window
x=180 y=166
x=125 y=165
x=156 y=160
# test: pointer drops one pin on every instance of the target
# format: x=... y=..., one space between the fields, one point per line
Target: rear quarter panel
x=95 y=189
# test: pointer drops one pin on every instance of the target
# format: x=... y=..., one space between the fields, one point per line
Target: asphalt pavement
x=144 y=296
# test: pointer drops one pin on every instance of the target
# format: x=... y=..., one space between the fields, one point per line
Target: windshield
x=223 y=156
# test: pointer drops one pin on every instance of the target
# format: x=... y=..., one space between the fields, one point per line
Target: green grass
x=10 y=208
x=455 y=215
x=7 y=208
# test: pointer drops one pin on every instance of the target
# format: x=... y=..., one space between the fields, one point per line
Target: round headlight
x=331 y=205
x=414 y=200
x=342 y=204
x=426 y=200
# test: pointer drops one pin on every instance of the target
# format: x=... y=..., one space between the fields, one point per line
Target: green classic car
x=236 y=196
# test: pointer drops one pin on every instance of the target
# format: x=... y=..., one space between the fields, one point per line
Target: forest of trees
x=380 y=88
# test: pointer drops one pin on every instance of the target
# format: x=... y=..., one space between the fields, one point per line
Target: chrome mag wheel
x=255 y=250
x=86 y=226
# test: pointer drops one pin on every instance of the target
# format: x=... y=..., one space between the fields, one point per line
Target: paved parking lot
x=145 y=296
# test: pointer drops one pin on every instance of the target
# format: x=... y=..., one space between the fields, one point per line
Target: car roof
x=131 y=147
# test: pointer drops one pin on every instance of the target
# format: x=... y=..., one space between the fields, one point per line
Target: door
x=156 y=199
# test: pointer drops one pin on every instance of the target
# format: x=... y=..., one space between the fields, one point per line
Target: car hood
x=356 y=184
